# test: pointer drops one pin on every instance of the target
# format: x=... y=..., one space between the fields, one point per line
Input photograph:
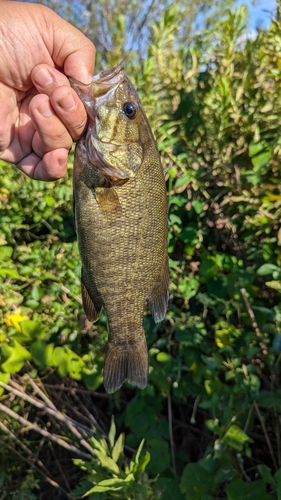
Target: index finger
x=73 y=52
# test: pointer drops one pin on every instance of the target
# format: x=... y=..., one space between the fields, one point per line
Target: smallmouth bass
x=121 y=222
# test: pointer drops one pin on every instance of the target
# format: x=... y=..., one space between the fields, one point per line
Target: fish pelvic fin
x=108 y=202
x=92 y=308
x=126 y=362
x=157 y=301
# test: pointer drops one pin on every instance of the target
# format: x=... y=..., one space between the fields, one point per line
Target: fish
x=120 y=211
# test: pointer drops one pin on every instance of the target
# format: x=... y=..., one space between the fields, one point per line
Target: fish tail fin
x=126 y=362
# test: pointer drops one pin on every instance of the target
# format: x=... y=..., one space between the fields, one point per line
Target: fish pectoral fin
x=108 y=201
x=126 y=362
x=92 y=310
x=157 y=301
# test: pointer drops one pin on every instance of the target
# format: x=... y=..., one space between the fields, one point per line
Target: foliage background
x=210 y=415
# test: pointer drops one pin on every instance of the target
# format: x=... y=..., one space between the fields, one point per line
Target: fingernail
x=43 y=77
x=45 y=109
x=67 y=102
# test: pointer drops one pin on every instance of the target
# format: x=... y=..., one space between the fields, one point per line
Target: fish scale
x=121 y=223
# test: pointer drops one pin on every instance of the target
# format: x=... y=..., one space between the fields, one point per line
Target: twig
x=194 y=410
x=240 y=463
x=58 y=465
x=266 y=435
x=44 y=433
x=22 y=445
x=31 y=464
x=68 y=292
x=254 y=322
x=48 y=401
x=82 y=391
x=278 y=422
x=249 y=416
x=55 y=413
x=91 y=417
x=172 y=446
x=12 y=435
x=43 y=396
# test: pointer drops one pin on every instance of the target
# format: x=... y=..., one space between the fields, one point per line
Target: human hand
x=40 y=114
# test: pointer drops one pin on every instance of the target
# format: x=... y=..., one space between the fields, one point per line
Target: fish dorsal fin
x=157 y=301
x=92 y=309
x=108 y=202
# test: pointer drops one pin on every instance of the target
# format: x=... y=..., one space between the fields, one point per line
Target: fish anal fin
x=126 y=362
x=157 y=301
x=108 y=202
x=92 y=310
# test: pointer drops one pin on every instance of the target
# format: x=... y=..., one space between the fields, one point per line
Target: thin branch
x=44 y=433
x=82 y=391
x=172 y=445
x=58 y=465
x=39 y=391
x=55 y=413
x=83 y=428
x=194 y=410
x=248 y=419
x=240 y=464
x=266 y=435
x=68 y=292
x=31 y=464
x=254 y=322
x=14 y=438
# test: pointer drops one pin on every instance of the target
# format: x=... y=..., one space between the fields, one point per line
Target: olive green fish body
x=121 y=221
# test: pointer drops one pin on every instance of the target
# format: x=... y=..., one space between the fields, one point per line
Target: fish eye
x=130 y=110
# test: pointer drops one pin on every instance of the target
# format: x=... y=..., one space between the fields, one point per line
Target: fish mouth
x=108 y=80
x=110 y=75
x=101 y=83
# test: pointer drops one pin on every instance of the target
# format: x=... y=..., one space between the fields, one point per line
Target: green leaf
x=49 y=276
x=239 y=489
x=262 y=159
x=37 y=293
x=196 y=482
x=5 y=378
x=138 y=452
x=159 y=455
x=94 y=379
x=112 y=432
x=118 y=448
x=60 y=360
x=18 y=355
x=267 y=269
x=257 y=147
x=236 y=437
x=5 y=253
x=144 y=461
x=198 y=206
x=266 y=475
x=74 y=364
x=164 y=357
x=169 y=489
x=107 y=462
x=276 y=285
x=42 y=353
x=8 y=273
x=276 y=344
x=110 y=485
x=32 y=329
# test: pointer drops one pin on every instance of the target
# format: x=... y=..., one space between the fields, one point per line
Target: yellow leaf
x=14 y=320
x=222 y=338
